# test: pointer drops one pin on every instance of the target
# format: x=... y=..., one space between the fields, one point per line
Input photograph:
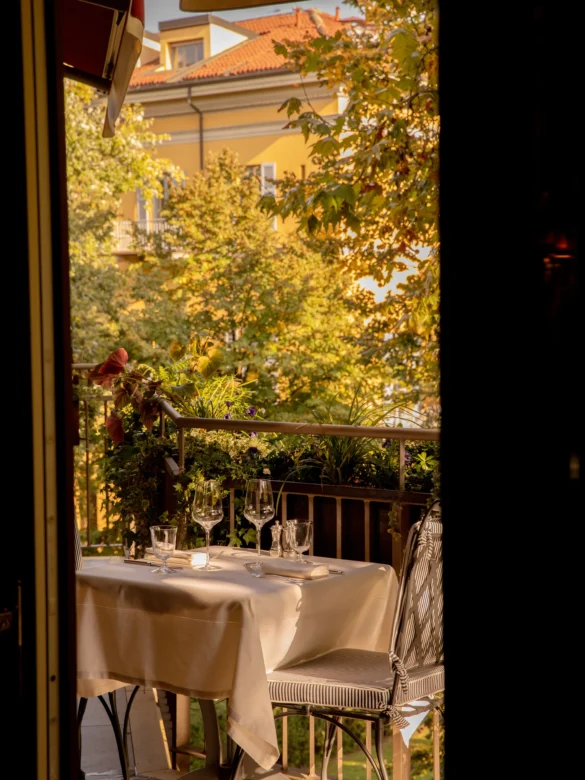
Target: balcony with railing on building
x=131 y=236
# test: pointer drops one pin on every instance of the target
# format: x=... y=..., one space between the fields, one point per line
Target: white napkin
x=173 y=559
x=413 y=721
x=184 y=554
x=300 y=571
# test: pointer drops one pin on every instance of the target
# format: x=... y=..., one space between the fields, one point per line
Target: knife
x=142 y=562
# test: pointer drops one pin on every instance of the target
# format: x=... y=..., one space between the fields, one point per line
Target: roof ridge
x=186 y=71
x=202 y=63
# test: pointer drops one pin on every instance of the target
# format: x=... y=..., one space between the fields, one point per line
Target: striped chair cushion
x=352 y=679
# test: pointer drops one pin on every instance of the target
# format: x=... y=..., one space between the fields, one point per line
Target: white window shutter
x=267 y=174
x=140 y=205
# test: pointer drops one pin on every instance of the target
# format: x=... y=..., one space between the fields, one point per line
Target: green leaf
x=326 y=146
x=346 y=192
x=403 y=45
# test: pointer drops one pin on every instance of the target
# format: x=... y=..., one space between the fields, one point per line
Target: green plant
x=134 y=467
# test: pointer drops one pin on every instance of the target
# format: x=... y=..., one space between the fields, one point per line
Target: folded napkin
x=184 y=554
x=300 y=571
x=174 y=559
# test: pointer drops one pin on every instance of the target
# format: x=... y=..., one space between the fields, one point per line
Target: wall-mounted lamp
x=558 y=247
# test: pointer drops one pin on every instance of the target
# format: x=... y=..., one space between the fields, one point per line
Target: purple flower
x=387 y=444
x=227 y=416
x=251 y=410
x=253 y=450
x=229 y=403
x=407 y=457
x=254 y=435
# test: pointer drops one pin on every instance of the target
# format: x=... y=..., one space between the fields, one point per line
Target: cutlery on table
x=142 y=562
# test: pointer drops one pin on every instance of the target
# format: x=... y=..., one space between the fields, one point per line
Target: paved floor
x=147 y=748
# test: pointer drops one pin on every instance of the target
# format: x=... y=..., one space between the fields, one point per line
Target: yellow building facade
x=209 y=84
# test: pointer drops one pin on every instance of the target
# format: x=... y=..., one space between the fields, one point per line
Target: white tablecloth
x=214 y=635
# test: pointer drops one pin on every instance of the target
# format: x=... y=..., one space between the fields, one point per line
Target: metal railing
x=333 y=506
x=128 y=233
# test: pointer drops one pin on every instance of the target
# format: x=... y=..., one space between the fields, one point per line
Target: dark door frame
x=39 y=587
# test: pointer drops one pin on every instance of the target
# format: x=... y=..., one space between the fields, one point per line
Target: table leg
x=213 y=748
x=80 y=713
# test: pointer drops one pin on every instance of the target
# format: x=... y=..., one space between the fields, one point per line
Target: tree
x=373 y=198
x=99 y=171
x=281 y=315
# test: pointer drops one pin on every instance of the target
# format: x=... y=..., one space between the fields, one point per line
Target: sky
x=163 y=10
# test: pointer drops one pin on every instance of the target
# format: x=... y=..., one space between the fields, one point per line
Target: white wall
x=222 y=39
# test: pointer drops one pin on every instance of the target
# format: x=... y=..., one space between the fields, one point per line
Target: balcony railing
x=351 y=522
x=130 y=234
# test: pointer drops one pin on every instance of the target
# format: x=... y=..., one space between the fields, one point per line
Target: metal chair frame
x=120 y=733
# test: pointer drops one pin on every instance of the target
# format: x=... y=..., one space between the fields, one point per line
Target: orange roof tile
x=254 y=56
x=152 y=73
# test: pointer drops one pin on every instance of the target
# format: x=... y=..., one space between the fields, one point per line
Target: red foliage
x=105 y=372
x=115 y=428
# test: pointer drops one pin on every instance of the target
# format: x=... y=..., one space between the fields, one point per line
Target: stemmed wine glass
x=259 y=508
x=208 y=511
x=164 y=539
x=301 y=533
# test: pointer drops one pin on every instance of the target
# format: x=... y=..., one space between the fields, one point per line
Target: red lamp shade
x=102 y=40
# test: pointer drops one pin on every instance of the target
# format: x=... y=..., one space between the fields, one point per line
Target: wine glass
x=301 y=533
x=259 y=508
x=208 y=511
x=164 y=540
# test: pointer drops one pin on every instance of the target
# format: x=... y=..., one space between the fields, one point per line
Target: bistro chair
x=381 y=688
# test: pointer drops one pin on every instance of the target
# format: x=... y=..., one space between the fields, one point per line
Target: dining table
x=216 y=634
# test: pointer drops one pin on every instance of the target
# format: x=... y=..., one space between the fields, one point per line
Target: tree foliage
x=99 y=171
x=373 y=197
x=282 y=315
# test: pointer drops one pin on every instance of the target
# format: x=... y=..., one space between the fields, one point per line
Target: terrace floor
x=148 y=752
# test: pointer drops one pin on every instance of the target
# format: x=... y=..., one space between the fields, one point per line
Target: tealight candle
x=198 y=559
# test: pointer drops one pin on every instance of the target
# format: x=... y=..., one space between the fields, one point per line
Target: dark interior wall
x=511 y=352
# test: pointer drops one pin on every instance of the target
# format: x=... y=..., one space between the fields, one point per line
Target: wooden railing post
x=338 y=528
x=369 y=747
x=400 y=756
x=179 y=708
x=312 y=772
x=284 y=742
x=367 y=531
x=87 y=474
x=436 y=746
x=232 y=510
x=106 y=492
x=340 y=753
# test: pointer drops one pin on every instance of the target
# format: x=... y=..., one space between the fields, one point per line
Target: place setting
x=285 y=560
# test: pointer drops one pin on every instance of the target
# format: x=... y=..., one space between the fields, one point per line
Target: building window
x=186 y=53
x=141 y=206
x=158 y=204
x=148 y=210
x=265 y=173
